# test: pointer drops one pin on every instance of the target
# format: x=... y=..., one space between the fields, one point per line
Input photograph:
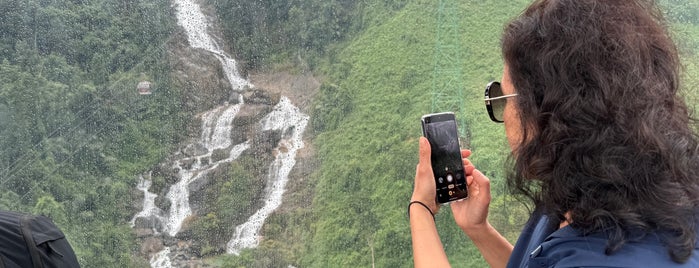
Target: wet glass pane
x=238 y=133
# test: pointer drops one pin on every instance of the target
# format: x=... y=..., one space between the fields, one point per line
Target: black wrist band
x=422 y=204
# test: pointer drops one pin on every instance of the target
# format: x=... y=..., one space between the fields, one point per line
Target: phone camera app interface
x=446 y=158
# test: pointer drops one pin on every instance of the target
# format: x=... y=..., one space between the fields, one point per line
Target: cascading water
x=190 y=17
x=149 y=208
x=216 y=127
x=216 y=135
x=216 y=124
x=291 y=122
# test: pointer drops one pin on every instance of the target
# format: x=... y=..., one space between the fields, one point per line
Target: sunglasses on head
x=495 y=101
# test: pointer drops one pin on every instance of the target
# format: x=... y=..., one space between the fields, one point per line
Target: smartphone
x=441 y=131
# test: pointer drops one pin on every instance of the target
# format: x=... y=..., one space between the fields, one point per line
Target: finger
x=424 y=166
x=468 y=171
x=466 y=162
x=465 y=153
x=425 y=150
x=482 y=184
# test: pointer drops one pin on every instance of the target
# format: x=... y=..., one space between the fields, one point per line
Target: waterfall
x=291 y=122
x=149 y=211
x=216 y=127
x=216 y=130
x=161 y=259
x=190 y=17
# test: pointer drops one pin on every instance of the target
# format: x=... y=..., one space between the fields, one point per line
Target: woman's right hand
x=471 y=214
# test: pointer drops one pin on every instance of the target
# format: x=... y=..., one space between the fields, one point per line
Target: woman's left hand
x=472 y=214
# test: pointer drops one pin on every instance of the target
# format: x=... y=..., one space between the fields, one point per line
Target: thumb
x=425 y=152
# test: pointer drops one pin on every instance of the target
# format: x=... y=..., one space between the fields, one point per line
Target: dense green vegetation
x=377 y=84
x=74 y=133
x=267 y=32
x=388 y=75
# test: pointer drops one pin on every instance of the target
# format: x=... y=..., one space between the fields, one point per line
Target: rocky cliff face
x=203 y=165
x=198 y=71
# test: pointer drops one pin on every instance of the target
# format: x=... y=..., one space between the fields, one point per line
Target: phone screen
x=441 y=131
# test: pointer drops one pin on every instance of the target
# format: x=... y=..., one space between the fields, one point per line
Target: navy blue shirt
x=542 y=244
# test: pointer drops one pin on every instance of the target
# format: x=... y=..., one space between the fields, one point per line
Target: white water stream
x=216 y=127
x=291 y=122
x=216 y=134
x=190 y=17
x=149 y=208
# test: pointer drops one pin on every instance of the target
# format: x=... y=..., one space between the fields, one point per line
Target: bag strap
x=31 y=246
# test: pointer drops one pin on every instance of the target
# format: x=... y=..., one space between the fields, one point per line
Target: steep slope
x=369 y=143
x=366 y=125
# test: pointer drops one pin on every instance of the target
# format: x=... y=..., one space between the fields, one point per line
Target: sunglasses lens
x=498 y=105
x=496 y=108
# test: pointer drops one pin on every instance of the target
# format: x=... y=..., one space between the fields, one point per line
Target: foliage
x=73 y=132
x=366 y=124
x=262 y=31
x=231 y=198
x=333 y=104
x=383 y=127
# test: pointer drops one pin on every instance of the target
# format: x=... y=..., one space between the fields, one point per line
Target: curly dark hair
x=607 y=136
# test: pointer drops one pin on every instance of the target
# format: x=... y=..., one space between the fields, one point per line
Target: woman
x=601 y=143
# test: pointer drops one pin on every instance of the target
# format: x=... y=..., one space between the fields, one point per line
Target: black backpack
x=30 y=241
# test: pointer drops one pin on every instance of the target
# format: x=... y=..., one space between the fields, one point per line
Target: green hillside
x=74 y=134
x=369 y=157
x=366 y=125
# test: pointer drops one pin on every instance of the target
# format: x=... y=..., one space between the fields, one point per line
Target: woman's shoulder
x=567 y=247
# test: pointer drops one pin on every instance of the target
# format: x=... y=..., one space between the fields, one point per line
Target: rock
x=162 y=202
x=240 y=134
x=264 y=142
x=220 y=154
x=169 y=241
x=259 y=96
x=251 y=113
x=205 y=83
x=205 y=161
x=162 y=176
x=136 y=199
x=164 y=169
x=185 y=233
x=299 y=88
x=172 y=179
x=289 y=132
x=234 y=98
x=143 y=232
x=184 y=245
x=151 y=245
x=200 y=190
x=200 y=184
x=195 y=149
x=150 y=222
